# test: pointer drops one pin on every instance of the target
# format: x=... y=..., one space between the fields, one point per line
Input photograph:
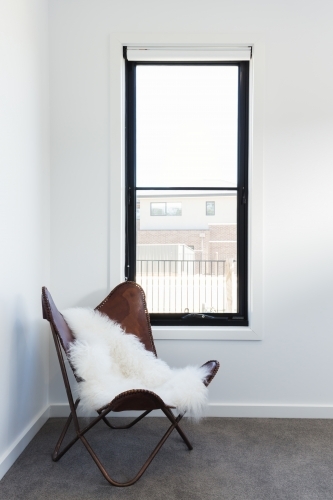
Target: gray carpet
x=232 y=459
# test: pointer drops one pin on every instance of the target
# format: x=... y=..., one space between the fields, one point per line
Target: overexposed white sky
x=187 y=125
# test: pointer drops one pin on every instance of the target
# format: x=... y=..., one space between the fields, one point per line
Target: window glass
x=162 y=208
x=174 y=209
x=210 y=207
x=157 y=208
x=186 y=125
x=188 y=263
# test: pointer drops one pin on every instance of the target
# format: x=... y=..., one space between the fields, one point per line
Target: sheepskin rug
x=111 y=361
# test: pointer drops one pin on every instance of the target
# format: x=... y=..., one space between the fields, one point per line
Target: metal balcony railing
x=181 y=286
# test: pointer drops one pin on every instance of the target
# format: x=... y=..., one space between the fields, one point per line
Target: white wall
x=24 y=222
x=292 y=365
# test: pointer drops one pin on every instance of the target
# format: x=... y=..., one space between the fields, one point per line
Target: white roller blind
x=190 y=53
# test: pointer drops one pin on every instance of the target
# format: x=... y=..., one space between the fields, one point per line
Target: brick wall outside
x=218 y=243
x=222 y=241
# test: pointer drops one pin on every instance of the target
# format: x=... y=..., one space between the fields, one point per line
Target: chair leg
x=56 y=455
x=102 y=416
x=79 y=432
x=128 y=426
x=168 y=413
x=143 y=468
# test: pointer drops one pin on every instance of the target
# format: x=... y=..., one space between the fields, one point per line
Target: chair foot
x=80 y=434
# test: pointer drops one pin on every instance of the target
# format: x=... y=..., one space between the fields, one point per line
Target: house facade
x=205 y=222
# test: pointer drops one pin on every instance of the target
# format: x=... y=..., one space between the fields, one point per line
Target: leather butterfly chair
x=126 y=305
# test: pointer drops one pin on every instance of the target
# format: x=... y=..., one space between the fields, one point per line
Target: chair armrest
x=213 y=367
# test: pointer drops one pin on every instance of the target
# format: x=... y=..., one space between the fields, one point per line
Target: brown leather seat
x=126 y=304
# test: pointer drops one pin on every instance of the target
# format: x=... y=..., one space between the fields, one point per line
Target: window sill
x=204 y=333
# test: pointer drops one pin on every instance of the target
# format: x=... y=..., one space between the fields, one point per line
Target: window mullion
x=130 y=153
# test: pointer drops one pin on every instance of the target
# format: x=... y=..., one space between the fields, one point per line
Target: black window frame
x=200 y=319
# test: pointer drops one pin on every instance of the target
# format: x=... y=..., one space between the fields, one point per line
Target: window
x=187 y=140
x=210 y=207
x=162 y=208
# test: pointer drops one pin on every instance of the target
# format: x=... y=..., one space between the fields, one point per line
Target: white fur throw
x=111 y=361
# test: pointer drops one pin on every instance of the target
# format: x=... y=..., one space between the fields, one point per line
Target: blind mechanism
x=188 y=53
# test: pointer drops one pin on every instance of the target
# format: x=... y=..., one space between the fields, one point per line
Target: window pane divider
x=234 y=188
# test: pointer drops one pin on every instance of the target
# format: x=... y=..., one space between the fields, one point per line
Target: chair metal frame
x=136 y=399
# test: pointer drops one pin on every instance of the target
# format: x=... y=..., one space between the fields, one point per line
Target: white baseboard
x=62 y=410
x=232 y=410
x=213 y=410
x=14 y=451
x=269 y=411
